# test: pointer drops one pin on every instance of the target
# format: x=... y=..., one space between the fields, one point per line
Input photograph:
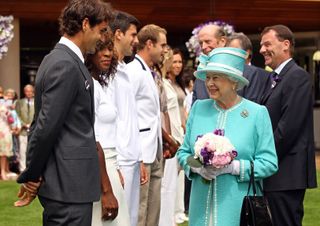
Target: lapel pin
x=244 y=113
x=86 y=85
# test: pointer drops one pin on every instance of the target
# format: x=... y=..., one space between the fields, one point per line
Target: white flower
x=213 y=143
x=6 y=33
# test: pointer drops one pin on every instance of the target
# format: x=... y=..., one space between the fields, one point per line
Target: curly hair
x=72 y=16
x=105 y=76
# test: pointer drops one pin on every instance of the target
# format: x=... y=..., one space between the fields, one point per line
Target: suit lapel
x=152 y=81
x=282 y=73
x=88 y=84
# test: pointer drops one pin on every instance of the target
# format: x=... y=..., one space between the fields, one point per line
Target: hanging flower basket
x=6 y=33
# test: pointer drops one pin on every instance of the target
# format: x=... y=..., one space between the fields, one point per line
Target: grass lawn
x=31 y=215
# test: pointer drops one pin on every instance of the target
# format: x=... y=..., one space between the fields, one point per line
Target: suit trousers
x=131 y=176
x=286 y=207
x=149 y=209
x=57 y=213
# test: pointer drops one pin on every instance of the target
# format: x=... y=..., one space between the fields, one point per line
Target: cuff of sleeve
x=241 y=170
x=235 y=167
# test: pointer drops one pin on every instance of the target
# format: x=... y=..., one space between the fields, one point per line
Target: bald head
x=210 y=37
x=28 y=91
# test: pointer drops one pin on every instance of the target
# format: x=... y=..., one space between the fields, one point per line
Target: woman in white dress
x=170 y=177
x=112 y=209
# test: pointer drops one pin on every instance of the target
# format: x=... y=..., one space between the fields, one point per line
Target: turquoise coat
x=248 y=126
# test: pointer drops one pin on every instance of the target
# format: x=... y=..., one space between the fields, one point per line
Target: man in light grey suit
x=61 y=154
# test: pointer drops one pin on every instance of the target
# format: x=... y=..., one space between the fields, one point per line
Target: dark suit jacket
x=61 y=147
x=290 y=105
x=199 y=90
x=259 y=83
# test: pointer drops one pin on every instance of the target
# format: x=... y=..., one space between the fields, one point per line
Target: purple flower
x=207 y=156
x=199 y=136
x=234 y=153
x=219 y=132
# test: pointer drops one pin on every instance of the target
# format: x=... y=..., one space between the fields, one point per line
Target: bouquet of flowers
x=213 y=149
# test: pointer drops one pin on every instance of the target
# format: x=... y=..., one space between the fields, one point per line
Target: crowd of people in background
x=16 y=117
x=114 y=102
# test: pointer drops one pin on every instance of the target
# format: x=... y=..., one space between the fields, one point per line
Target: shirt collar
x=281 y=66
x=144 y=63
x=72 y=46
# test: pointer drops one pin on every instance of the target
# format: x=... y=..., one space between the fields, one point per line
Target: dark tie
x=275 y=78
x=28 y=109
x=154 y=74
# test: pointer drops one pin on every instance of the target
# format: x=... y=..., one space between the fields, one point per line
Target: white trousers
x=180 y=193
x=123 y=218
x=23 y=142
x=131 y=176
x=168 y=192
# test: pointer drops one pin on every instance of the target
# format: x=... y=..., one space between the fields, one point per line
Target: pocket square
x=86 y=85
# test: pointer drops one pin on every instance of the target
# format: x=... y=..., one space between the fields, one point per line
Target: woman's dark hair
x=76 y=11
x=188 y=76
x=179 y=78
x=105 y=76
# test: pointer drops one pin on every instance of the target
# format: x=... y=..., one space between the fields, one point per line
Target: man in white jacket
x=124 y=28
x=150 y=49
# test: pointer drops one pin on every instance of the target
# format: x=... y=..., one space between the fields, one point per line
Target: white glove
x=233 y=168
x=205 y=172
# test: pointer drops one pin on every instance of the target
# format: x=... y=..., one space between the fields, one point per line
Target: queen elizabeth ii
x=248 y=127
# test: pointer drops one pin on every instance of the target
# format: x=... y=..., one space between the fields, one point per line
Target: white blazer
x=148 y=108
x=128 y=141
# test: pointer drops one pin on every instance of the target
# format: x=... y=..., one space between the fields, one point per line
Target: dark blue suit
x=259 y=84
x=290 y=106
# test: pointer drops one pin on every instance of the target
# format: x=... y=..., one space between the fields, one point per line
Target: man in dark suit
x=259 y=79
x=290 y=105
x=210 y=37
x=61 y=153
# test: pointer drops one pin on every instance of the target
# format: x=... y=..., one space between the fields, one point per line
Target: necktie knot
x=275 y=79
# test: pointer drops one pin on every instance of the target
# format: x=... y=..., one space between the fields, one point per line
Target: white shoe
x=184 y=217
x=180 y=218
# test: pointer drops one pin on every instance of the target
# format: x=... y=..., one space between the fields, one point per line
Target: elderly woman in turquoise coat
x=217 y=200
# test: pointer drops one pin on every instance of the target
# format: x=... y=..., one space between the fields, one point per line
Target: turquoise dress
x=248 y=126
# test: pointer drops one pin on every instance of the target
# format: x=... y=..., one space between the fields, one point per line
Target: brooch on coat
x=244 y=113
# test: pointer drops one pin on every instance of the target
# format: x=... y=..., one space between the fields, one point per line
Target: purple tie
x=275 y=79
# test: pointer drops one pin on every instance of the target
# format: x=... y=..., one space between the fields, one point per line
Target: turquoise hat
x=228 y=61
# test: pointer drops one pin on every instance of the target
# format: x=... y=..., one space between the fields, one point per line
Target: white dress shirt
x=105 y=118
x=72 y=46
